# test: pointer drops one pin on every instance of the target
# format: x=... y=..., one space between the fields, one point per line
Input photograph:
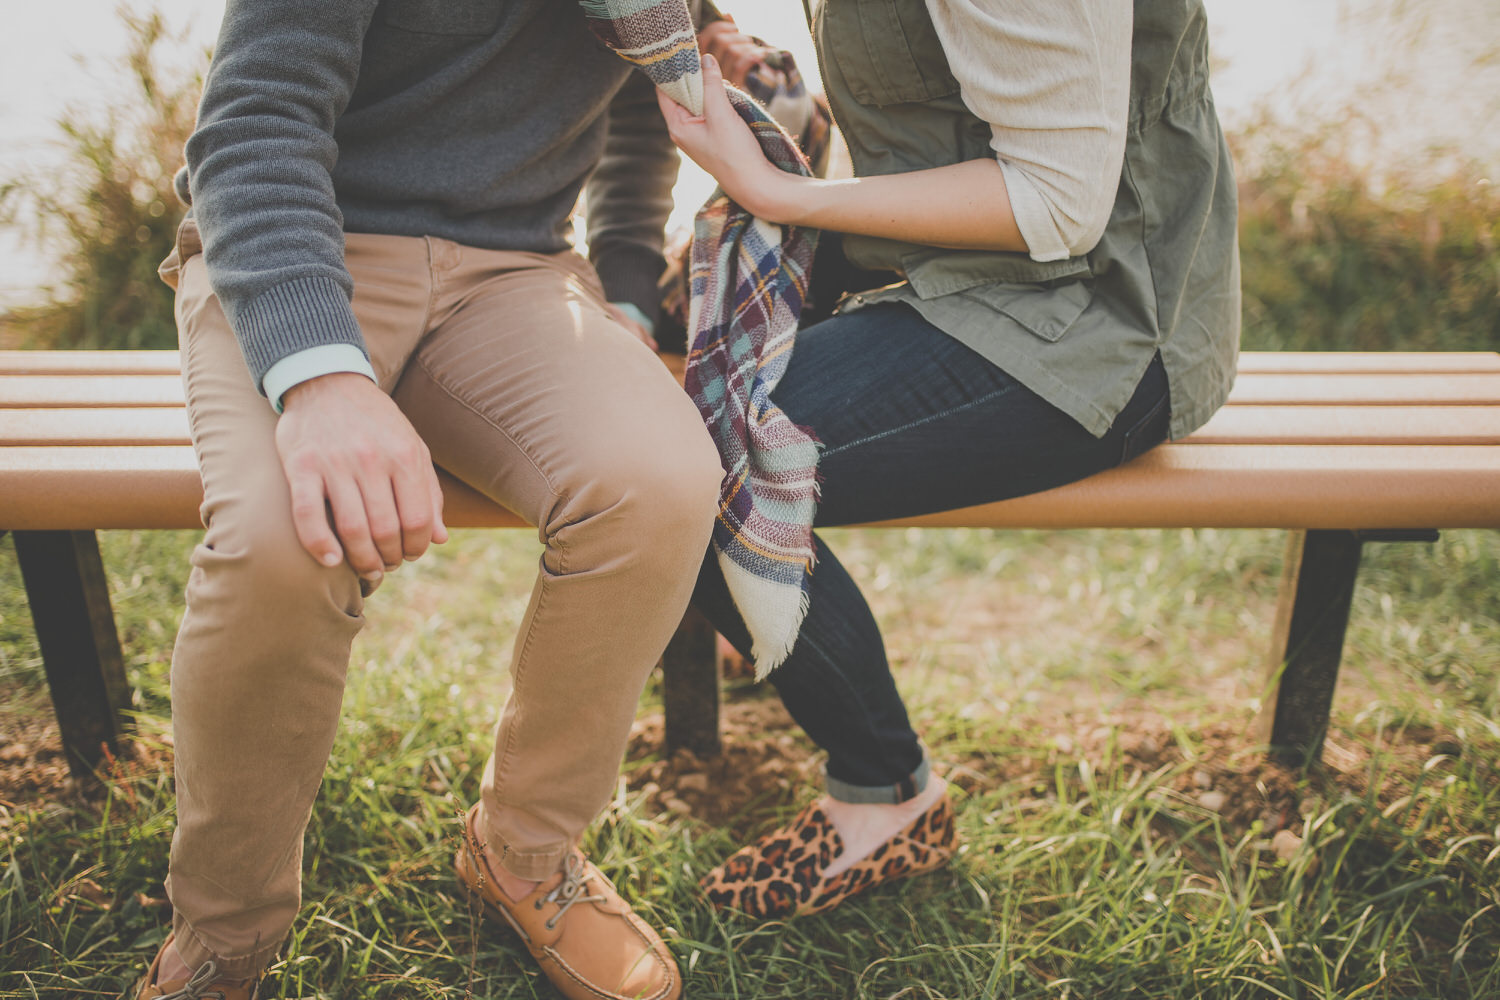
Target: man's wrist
x=313 y=362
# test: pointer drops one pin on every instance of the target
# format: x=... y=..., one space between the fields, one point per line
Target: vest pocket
x=883 y=58
x=1048 y=311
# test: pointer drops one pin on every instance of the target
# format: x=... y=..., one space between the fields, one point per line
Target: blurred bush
x=109 y=216
x=1340 y=254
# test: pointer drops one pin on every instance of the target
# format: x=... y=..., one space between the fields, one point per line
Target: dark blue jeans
x=912 y=422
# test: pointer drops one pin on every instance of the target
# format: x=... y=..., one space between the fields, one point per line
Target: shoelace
x=197 y=986
x=568 y=891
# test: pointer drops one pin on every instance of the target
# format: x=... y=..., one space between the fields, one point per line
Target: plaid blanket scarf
x=748 y=280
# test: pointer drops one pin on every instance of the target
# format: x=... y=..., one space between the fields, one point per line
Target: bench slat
x=1315 y=389
x=88 y=391
x=142 y=425
x=1251 y=362
x=89 y=363
x=1251 y=424
x=1394 y=362
x=1477 y=425
x=1365 y=389
x=1220 y=486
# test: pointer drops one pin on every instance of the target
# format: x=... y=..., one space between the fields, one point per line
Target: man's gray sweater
x=477 y=121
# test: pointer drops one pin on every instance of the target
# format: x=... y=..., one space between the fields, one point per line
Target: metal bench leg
x=75 y=627
x=1317 y=587
x=690 y=687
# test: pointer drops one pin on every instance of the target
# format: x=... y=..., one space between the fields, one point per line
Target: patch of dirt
x=766 y=763
x=1217 y=767
x=34 y=771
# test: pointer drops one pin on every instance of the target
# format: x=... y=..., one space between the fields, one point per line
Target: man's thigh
x=233 y=425
x=529 y=390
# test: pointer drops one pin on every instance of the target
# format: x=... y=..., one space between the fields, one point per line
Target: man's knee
x=251 y=555
x=649 y=494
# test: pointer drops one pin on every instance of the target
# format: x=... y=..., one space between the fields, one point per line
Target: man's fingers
x=415 y=510
x=629 y=323
x=381 y=514
x=439 y=529
x=739 y=62
x=353 y=528
x=310 y=519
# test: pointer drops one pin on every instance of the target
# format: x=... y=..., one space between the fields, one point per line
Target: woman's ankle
x=862 y=827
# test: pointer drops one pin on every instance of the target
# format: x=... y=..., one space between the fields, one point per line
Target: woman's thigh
x=912 y=421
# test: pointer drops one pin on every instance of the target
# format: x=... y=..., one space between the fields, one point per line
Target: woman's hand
x=963 y=206
x=721 y=143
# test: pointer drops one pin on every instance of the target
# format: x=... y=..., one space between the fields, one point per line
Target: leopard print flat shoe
x=781 y=875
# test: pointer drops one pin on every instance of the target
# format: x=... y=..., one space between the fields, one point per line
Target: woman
x=1049 y=186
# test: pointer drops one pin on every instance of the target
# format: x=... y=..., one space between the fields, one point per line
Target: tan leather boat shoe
x=588 y=941
x=204 y=984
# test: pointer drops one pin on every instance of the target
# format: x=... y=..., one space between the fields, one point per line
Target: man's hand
x=630 y=323
x=362 y=481
x=737 y=53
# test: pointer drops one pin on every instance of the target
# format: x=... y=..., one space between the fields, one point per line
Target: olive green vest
x=1164 y=277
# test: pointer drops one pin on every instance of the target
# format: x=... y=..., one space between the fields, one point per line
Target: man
x=380 y=192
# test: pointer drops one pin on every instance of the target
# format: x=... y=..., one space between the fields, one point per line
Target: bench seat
x=1337 y=448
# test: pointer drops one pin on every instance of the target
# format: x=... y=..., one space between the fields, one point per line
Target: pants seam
x=912 y=425
x=519 y=670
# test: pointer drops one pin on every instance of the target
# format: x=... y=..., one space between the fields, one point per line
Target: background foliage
x=1090 y=694
x=1339 y=253
x=110 y=215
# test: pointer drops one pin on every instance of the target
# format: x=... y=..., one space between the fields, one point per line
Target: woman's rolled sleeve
x=1052 y=78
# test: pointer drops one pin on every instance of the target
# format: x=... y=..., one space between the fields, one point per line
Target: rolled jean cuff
x=907 y=788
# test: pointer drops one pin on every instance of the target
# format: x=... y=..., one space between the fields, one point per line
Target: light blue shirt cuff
x=634 y=312
x=326 y=359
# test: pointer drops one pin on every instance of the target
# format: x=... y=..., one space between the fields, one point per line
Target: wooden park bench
x=1338 y=449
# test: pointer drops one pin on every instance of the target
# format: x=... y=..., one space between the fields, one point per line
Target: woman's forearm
x=963 y=206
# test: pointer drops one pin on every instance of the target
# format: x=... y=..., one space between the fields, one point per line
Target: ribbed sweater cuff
x=307 y=312
x=629 y=274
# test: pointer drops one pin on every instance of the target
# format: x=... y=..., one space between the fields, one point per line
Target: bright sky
x=1427 y=73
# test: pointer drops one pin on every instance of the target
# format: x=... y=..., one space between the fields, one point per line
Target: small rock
x=1213 y=801
x=650 y=789
x=14 y=752
x=1286 y=844
x=693 y=783
x=1203 y=779
x=676 y=805
x=1064 y=743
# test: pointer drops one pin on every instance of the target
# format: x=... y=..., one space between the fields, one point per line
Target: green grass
x=1081 y=687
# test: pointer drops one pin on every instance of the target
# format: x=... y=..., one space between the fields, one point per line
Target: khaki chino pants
x=522 y=384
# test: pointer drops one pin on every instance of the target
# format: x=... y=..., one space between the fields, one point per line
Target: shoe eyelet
x=537 y=905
